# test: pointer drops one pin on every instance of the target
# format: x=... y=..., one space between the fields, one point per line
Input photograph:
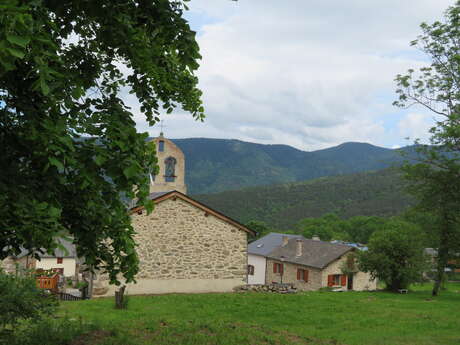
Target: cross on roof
x=162 y=125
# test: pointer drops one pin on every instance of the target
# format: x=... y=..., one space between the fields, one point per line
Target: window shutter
x=305 y=275
x=344 y=280
x=281 y=268
x=330 y=280
x=298 y=274
x=274 y=267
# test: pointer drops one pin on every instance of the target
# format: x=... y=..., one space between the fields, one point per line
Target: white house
x=63 y=260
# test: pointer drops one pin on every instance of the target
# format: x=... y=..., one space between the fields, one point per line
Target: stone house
x=310 y=264
x=183 y=245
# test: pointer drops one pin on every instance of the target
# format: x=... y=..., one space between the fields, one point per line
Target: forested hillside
x=377 y=193
x=215 y=165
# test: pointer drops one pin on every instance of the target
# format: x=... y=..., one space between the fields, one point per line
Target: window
x=59 y=260
x=161 y=146
x=336 y=280
x=170 y=169
x=278 y=268
x=302 y=275
x=250 y=270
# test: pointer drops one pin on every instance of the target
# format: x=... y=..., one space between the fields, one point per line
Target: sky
x=304 y=73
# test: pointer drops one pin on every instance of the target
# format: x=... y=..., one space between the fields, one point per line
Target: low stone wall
x=278 y=288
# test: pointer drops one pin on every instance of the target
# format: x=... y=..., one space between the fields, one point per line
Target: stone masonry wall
x=361 y=280
x=290 y=276
x=180 y=241
x=170 y=150
x=8 y=264
x=317 y=278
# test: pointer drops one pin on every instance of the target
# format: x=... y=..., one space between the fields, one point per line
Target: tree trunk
x=119 y=298
x=443 y=255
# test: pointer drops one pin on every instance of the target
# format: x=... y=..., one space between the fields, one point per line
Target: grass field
x=255 y=318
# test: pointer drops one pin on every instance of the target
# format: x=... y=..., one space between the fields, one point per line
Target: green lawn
x=255 y=318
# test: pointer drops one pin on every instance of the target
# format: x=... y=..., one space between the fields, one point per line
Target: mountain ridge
x=372 y=193
x=216 y=165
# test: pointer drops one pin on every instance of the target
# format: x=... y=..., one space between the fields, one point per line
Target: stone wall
x=8 y=264
x=361 y=280
x=184 y=249
x=318 y=278
x=290 y=276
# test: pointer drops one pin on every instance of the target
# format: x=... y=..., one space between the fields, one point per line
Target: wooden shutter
x=343 y=280
x=330 y=280
x=274 y=267
x=305 y=275
x=281 y=268
x=298 y=273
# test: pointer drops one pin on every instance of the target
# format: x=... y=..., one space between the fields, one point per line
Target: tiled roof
x=317 y=254
x=70 y=251
x=263 y=246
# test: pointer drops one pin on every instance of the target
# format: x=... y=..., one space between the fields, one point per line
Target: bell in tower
x=171 y=162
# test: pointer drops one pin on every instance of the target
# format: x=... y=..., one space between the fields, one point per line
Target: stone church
x=183 y=245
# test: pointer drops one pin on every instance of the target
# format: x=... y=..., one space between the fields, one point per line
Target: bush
x=395 y=255
x=21 y=299
x=49 y=331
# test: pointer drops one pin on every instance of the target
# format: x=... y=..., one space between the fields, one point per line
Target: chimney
x=316 y=238
x=285 y=240
x=299 y=247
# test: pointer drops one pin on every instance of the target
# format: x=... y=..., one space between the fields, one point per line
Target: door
x=350 y=282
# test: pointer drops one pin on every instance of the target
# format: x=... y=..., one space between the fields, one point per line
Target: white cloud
x=415 y=126
x=304 y=73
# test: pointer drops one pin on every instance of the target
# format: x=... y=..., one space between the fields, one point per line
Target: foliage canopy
x=395 y=255
x=434 y=178
x=70 y=148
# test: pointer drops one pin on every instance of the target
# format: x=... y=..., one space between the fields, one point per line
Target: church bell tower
x=171 y=162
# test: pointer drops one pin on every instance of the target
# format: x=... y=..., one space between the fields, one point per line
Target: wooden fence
x=68 y=297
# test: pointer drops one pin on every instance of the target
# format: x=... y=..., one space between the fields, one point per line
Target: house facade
x=311 y=264
x=63 y=260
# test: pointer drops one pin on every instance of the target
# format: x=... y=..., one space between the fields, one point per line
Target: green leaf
x=18 y=40
x=56 y=163
x=44 y=87
x=130 y=171
x=16 y=53
x=54 y=212
x=99 y=160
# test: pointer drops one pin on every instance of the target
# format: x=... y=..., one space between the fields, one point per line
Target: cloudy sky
x=310 y=74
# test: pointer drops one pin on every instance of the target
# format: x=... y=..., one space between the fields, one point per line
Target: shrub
x=21 y=299
x=49 y=331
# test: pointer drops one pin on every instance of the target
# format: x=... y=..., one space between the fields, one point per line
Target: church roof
x=161 y=196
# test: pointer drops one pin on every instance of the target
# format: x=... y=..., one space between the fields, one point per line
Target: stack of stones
x=278 y=288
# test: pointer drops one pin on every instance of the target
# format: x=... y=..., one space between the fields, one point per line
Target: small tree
x=435 y=178
x=261 y=228
x=395 y=255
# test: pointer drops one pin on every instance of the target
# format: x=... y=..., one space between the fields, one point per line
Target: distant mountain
x=378 y=193
x=215 y=165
